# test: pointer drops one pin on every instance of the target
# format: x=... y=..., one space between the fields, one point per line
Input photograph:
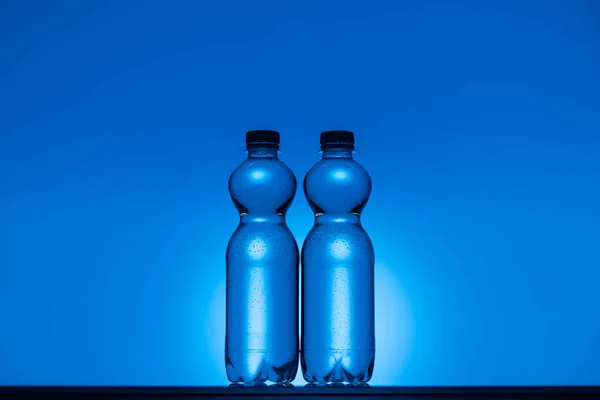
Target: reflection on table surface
x=308 y=385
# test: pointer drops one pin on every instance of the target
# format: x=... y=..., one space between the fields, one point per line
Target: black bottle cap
x=262 y=138
x=331 y=139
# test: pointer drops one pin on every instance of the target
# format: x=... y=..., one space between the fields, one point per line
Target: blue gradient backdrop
x=120 y=123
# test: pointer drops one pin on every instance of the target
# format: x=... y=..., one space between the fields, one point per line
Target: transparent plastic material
x=262 y=273
x=338 y=339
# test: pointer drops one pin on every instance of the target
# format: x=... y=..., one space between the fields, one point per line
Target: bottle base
x=256 y=366
x=337 y=366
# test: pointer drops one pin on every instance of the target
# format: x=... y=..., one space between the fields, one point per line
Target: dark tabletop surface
x=320 y=392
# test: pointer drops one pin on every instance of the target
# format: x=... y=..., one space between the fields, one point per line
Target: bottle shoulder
x=338 y=242
x=331 y=230
x=339 y=165
x=261 y=169
x=261 y=242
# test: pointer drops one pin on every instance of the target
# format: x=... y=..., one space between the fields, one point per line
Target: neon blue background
x=120 y=123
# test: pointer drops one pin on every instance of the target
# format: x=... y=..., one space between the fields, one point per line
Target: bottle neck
x=262 y=152
x=262 y=218
x=341 y=218
x=337 y=152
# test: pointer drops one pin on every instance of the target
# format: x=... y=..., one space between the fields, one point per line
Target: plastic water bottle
x=262 y=268
x=338 y=333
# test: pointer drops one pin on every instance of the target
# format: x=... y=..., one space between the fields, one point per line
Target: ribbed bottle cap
x=331 y=139
x=262 y=138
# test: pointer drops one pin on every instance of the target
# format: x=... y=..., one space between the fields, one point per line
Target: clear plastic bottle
x=338 y=333
x=262 y=269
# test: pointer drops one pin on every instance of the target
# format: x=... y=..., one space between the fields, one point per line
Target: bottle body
x=338 y=327
x=262 y=259
x=262 y=303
